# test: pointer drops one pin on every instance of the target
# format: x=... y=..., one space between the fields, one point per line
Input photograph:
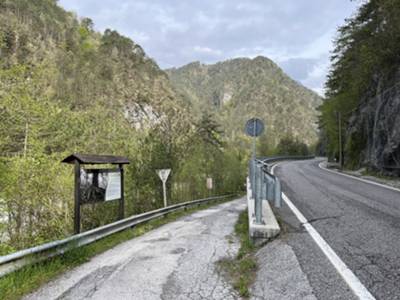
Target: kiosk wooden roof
x=95 y=159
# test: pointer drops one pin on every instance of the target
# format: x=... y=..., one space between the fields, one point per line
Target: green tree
x=291 y=146
x=366 y=49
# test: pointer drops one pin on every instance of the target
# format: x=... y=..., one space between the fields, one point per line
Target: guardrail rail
x=263 y=185
x=19 y=259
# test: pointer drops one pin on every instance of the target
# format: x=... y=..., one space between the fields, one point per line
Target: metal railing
x=17 y=260
x=264 y=185
x=272 y=159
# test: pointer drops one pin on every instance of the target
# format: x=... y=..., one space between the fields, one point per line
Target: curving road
x=359 y=221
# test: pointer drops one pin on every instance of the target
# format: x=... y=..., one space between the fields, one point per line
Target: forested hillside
x=238 y=89
x=66 y=88
x=363 y=86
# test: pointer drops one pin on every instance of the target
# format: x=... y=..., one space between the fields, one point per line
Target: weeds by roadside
x=241 y=270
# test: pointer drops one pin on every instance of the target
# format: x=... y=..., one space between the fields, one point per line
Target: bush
x=290 y=146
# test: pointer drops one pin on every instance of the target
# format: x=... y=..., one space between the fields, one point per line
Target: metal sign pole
x=255 y=165
x=165 y=193
x=258 y=200
x=254 y=140
x=257 y=182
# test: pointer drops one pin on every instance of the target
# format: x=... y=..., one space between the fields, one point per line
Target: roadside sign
x=254 y=127
x=209 y=183
x=97 y=184
x=163 y=174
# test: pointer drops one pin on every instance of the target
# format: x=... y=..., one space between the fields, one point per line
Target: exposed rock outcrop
x=376 y=124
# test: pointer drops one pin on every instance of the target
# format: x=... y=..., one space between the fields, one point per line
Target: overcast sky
x=296 y=34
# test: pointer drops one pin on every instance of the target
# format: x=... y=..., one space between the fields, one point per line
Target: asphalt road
x=175 y=261
x=360 y=222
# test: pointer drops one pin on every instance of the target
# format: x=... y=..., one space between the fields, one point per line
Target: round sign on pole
x=254 y=127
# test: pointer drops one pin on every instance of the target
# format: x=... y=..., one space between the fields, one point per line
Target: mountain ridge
x=259 y=85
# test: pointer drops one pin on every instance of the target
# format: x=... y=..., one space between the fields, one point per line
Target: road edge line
x=348 y=276
x=360 y=179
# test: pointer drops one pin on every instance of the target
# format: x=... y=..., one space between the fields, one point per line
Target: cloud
x=206 y=50
x=295 y=34
x=317 y=76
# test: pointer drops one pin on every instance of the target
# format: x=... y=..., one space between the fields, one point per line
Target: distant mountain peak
x=240 y=88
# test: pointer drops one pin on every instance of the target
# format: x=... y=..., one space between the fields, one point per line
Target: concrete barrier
x=269 y=227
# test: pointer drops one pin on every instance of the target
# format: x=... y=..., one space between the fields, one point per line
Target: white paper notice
x=113 y=190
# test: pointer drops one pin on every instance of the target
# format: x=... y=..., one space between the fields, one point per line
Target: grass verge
x=30 y=278
x=241 y=270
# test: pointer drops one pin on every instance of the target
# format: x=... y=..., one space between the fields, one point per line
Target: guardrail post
x=278 y=193
x=263 y=186
x=271 y=185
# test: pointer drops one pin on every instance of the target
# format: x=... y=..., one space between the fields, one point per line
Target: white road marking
x=348 y=276
x=360 y=179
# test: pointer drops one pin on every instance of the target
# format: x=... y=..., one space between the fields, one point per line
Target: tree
x=291 y=146
x=366 y=49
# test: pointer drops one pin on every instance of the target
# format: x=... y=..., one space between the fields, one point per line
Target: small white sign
x=209 y=183
x=163 y=174
x=113 y=190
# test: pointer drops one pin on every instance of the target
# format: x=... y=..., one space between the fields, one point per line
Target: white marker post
x=209 y=183
x=163 y=174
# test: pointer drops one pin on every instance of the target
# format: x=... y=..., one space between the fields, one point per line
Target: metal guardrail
x=264 y=185
x=269 y=160
x=17 y=260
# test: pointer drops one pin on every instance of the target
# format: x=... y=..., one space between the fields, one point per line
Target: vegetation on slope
x=365 y=59
x=239 y=89
x=66 y=88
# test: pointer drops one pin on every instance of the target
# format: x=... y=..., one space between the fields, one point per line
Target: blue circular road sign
x=254 y=127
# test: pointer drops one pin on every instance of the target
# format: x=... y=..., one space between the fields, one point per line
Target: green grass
x=241 y=270
x=30 y=278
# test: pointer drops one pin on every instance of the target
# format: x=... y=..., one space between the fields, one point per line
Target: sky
x=296 y=34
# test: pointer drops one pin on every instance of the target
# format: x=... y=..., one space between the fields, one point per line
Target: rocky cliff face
x=239 y=89
x=376 y=125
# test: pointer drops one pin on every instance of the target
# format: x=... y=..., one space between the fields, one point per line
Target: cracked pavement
x=279 y=274
x=174 y=261
x=360 y=221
